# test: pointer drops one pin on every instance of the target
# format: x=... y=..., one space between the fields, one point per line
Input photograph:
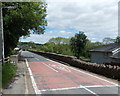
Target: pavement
x=41 y=76
x=21 y=83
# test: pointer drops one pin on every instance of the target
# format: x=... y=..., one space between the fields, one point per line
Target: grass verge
x=8 y=71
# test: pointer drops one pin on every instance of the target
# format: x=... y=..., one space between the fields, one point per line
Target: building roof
x=107 y=48
x=117 y=55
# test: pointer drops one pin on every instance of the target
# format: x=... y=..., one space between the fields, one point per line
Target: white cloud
x=64 y=33
x=37 y=38
x=56 y=33
x=96 y=16
x=45 y=37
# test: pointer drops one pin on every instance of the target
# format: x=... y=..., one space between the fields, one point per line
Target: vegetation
x=8 y=71
x=57 y=45
x=60 y=40
x=109 y=40
x=117 y=39
x=89 y=46
x=61 y=45
x=78 y=44
x=24 y=19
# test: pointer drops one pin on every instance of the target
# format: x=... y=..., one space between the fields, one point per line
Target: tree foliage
x=108 y=40
x=20 y=20
x=78 y=44
x=91 y=45
x=117 y=39
x=59 y=45
x=59 y=40
x=61 y=48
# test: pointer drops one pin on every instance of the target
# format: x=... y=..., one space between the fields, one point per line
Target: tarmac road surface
x=50 y=77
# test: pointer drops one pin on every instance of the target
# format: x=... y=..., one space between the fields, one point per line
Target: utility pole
x=2 y=57
x=119 y=18
x=1 y=36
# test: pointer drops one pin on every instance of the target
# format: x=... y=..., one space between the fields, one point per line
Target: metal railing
x=9 y=58
x=5 y=60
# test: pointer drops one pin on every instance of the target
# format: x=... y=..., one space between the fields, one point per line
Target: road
x=51 y=77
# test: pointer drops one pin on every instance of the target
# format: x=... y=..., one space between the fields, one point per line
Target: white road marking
x=37 y=91
x=95 y=76
x=85 y=87
x=68 y=69
x=89 y=90
x=94 y=86
x=86 y=73
x=100 y=86
x=60 y=67
x=50 y=67
x=57 y=89
x=37 y=59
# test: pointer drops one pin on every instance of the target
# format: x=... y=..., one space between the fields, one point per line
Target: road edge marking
x=57 y=89
x=68 y=88
x=85 y=73
x=37 y=91
x=50 y=67
x=89 y=90
x=37 y=59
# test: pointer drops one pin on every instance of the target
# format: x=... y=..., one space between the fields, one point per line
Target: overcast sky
x=96 y=18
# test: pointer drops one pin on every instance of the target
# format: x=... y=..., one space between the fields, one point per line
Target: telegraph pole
x=1 y=36
x=119 y=18
x=1 y=32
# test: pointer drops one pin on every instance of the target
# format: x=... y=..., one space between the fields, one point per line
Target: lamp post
x=2 y=33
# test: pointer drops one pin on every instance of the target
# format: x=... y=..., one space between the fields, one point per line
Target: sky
x=96 y=18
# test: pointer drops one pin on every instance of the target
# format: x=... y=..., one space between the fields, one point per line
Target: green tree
x=59 y=40
x=78 y=44
x=108 y=40
x=91 y=45
x=20 y=20
x=117 y=39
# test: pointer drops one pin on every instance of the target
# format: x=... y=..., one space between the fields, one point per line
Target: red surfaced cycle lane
x=52 y=75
